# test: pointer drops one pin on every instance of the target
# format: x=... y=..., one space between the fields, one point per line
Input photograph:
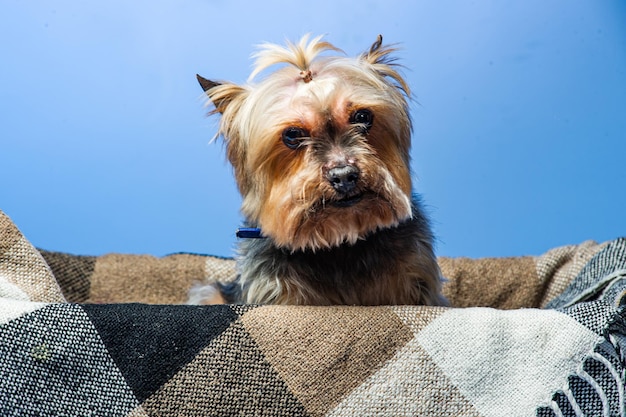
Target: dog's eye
x=292 y=137
x=362 y=117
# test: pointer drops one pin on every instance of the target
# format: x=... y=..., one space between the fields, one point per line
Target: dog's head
x=320 y=147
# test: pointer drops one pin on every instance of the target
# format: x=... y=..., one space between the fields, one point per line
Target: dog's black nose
x=343 y=178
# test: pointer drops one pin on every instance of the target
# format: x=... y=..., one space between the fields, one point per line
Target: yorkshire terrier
x=320 y=151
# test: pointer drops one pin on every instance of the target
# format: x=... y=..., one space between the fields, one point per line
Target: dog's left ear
x=221 y=94
x=206 y=84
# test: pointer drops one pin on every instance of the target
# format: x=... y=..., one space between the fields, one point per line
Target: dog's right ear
x=220 y=94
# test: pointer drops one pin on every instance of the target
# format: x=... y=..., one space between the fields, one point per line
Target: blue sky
x=519 y=117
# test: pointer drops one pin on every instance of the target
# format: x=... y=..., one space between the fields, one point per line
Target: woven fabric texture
x=111 y=336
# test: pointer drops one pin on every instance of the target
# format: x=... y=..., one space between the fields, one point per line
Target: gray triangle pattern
x=53 y=363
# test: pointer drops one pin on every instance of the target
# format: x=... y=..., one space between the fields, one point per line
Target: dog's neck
x=385 y=267
x=249 y=233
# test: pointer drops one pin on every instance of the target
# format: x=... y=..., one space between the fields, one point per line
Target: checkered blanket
x=109 y=336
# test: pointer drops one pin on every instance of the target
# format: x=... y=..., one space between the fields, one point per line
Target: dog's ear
x=379 y=54
x=381 y=59
x=220 y=94
x=375 y=46
x=206 y=84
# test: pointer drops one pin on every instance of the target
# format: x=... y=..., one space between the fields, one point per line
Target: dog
x=320 y=152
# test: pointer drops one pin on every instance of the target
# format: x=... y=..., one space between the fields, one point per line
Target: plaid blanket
x=109 y=336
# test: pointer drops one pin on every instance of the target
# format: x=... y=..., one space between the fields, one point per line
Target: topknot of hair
x=300 y=55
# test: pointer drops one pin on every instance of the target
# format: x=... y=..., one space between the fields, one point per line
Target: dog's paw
x=205 y=294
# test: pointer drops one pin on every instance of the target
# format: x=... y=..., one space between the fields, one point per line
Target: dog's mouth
x=348 y=201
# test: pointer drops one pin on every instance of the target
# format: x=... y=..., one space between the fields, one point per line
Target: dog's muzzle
x=343 y=178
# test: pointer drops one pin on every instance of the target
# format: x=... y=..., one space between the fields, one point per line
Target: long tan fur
x=317 y=91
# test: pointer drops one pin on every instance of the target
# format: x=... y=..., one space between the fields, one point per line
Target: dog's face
x=320 y=148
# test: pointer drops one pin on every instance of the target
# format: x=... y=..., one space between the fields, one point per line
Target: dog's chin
x=343 y=220
x=347 y=201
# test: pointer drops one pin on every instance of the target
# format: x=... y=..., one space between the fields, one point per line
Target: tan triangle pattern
x=504 y=283
x=559 y=266
x=230 y=377
x=322 y=370
x=418 y=317
x=23 y=266
x=410 y=384
x=133 y=278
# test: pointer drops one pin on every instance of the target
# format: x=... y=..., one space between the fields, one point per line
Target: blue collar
x=249 y=233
